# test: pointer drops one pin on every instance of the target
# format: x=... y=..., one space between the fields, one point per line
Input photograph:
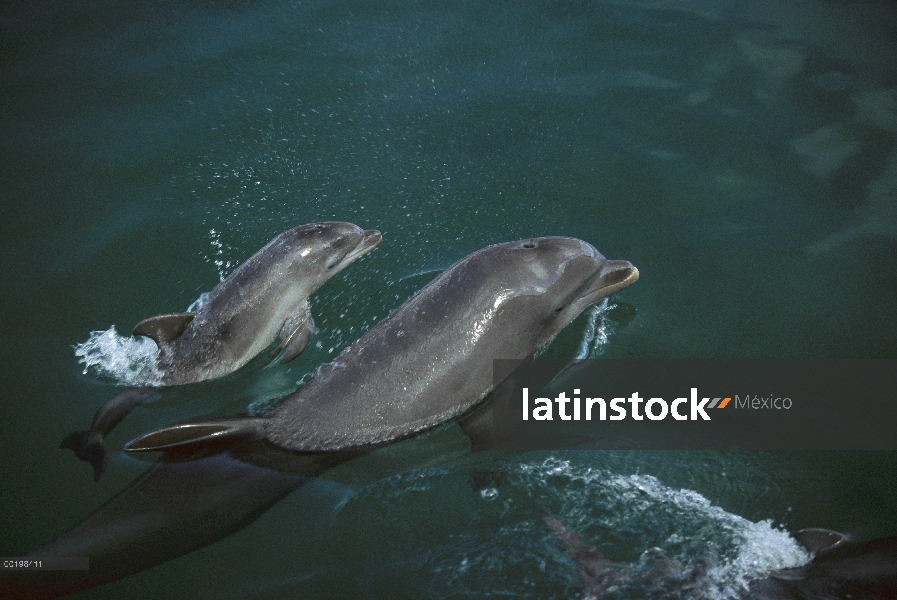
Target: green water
x=741 y=154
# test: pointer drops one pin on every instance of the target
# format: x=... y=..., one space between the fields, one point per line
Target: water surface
x=741 y=154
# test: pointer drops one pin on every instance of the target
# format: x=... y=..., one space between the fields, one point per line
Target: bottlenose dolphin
x=428 y=362
x=177 y=507
x=431 y=359
x=265 y=298
x=840 y=568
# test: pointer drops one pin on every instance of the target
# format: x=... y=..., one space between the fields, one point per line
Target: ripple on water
x=503 y=546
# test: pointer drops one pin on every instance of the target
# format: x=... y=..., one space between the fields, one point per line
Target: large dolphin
x=431 y=359
x=840 y=567
x=177 y=507
x=428 y=362
x=265 y=298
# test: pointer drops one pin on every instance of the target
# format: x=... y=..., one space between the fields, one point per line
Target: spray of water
x=676 y=523
x=126 y=360
x=597 y=332
x=634 y=519
x=222 y=265
x=129 y=361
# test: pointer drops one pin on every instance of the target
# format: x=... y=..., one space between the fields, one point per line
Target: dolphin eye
x=529 y=245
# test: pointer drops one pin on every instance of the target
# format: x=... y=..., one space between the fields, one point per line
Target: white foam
x=127 y=360
x=597 y=331
x=746 y=551
x=634 y=519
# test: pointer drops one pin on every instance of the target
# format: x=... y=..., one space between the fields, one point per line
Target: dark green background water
x=741 y=154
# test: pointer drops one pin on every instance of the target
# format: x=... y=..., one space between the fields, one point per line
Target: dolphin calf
x=265 y=298
x=428 y=362
x=840 y=568
x=431 y=359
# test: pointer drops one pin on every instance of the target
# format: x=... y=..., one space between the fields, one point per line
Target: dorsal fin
x=820 y=540
x=164 y=329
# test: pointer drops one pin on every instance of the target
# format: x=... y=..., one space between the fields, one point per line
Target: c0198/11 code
x=64 y=563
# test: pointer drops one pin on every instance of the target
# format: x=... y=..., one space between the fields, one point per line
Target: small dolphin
x=431 y=359
x=840 y=568
x=428 y=362
x=264 y=299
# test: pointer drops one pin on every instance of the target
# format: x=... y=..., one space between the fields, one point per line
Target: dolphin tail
x=88 y=445
x=202 y=438
x=89 y=449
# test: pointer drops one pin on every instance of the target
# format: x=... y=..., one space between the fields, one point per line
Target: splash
x=679 y=524
x=126 y=360
x=597 y=332
x=217 y=258
x=634 y=519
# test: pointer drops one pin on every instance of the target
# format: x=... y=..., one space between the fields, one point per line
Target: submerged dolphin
x=428 y=362
x=840 y=568
x=431 y=359
x=177 y=507
x=264 y=299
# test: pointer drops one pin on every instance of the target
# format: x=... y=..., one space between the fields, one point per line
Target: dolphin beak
x=617 y=274
x=367 y=241
x=371 y=239
x=613 y=276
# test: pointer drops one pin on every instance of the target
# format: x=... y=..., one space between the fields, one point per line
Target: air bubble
x=489 y=493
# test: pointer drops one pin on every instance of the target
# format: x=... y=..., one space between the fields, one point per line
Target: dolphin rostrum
x=265 y=298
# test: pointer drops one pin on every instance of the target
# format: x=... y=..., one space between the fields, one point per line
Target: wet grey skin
x=429 y=361
x=266 y=298
x=840 y=567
